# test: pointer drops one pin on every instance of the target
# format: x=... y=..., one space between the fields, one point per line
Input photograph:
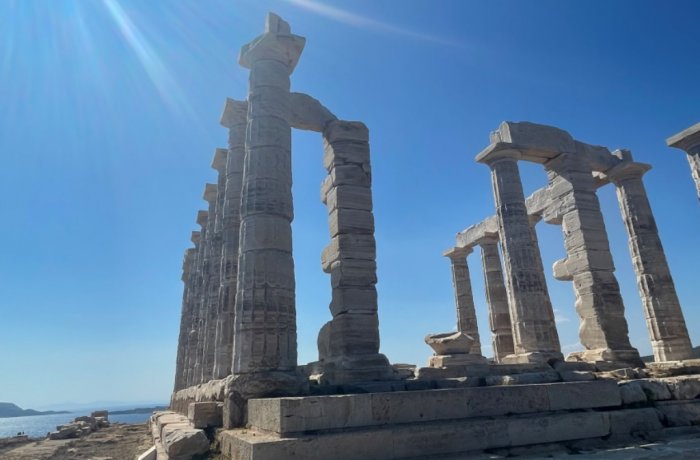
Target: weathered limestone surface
x=349 y=343
x=603 y=328
x=197 y=335
x=265 y=317
x=669 y=335
x=233 y=118
x=464 y=298
x=497 y=299
x=213 y=193
x=185 y=319
x=688 y=140
x=190 y=327
x=179 y=439
x=205 y=414
x=535 y=335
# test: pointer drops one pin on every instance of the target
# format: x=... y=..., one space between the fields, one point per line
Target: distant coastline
x=9 y=410
x=138 y=410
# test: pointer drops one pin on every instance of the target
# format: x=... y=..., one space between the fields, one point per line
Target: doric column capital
x=627 y=170
x=488 y=240
x=498 y=152
x=277 y=43
x=687 y=140
x=196 y=237
x=210 y=191
x=458 y=254
x=218 y=162
x=235 y=113
x=202 y=218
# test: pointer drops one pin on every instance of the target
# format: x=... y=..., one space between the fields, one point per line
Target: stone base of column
x=463 y=359
x=672 y=350
x=625 y=358
x=534 y=357
x=352 y=369
x=268 y=384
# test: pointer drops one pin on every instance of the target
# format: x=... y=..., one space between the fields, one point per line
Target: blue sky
x=109 y=116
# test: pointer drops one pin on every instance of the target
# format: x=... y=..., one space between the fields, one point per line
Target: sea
x=39 y=425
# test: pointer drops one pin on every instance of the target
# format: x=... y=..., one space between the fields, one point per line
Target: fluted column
x=198 y=297
x=669 y=335
x=464 y=298
x=210 y=283
x=265 y=315
x=689 y=141
x=233 y=118
x=497 y=299
x=534 y=331
x=185 y=318
x=603 y=330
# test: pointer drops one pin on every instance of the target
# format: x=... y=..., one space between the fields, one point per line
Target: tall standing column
x=464 y=298
x=689 y=141
x=497 y=299
x=197 y=333
x=349 y=343
x=210 y=287
x=233 y=118
x=669 y=335
x=534 y=331
x=185 y=318
x=191 y=335
x=603 y=329
x=265 y=316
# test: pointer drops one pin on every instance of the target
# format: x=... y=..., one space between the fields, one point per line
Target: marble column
x=212 y=264
x=464 y=298
x=233 y=118
x=265 y=336
x=185 y=318
x=349 y=343
x=534 y=331
x=603 y=330
x=669 y=335
x=497 y=299
x=198 y=298
x=689 y=141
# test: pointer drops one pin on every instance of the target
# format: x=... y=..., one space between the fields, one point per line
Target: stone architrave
x=349 y=343
x=534 y=331
x=185 y=318
x=196 y=334
x=497 y=298
x=214 y=265
x=669 y=335
x=234 y=118
x=464 y=298
x=603 y=330
x=689 y=141
x=265 y=316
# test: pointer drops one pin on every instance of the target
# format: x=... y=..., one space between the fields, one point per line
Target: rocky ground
x=116 y=442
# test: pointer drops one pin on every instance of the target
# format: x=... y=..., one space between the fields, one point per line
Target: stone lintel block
x=353 y=273
x=205 y=414
x=340 y=130
x=353 y=333
x=348 y=246
x=632 y=422
x=350 y=221
x=345 y=152
x=464 y=359
x=349 y=197
x=687 y=139
x=359 y=299
x=308 y=113
x=261 y=231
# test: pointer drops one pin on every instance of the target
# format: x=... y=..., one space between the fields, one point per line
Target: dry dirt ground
x=116 y=442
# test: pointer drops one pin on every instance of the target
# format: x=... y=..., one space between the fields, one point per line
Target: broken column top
x=235 y=112
x=210 y=191
x=541 y=143
x=219 y=160
x=458 y=252
x=202 y=217
x=688 y=139
x=276 y=43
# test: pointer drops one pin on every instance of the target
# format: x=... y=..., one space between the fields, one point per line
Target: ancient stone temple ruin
x=240 y=392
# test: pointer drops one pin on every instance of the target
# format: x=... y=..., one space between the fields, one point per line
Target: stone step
x=291 y=415
x=418 y=440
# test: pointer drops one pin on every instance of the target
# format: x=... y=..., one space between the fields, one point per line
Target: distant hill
x=13 y=410
x=650 y=359
x=138 y=410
